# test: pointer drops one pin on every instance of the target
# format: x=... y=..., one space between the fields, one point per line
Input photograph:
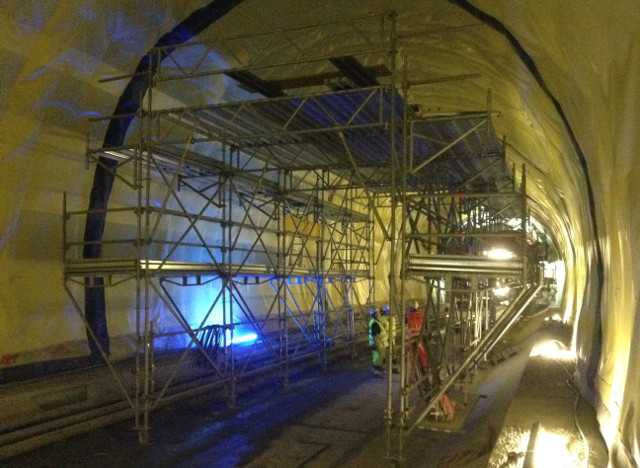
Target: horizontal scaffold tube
x=462 y=263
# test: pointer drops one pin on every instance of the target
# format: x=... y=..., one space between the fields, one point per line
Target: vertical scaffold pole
x=404 y=400
x=227 y=261
x=523 y=187
x=393 y=289
x=319 y=322
x=142 y=144
x=281 y=279
x=144 y=183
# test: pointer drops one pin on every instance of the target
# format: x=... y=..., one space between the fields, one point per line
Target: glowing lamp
x=547 y=448
x=244 y=339
x=554 y=318
x=498 y=254
x=552 y=349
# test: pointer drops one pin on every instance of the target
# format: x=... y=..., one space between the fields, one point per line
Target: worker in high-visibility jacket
x=388 y=321
x=378 y=342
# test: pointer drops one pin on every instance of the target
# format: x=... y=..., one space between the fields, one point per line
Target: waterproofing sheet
x=563 y=77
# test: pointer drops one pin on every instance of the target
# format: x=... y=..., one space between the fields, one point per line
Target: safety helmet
x=385 y=309
x=413 y=306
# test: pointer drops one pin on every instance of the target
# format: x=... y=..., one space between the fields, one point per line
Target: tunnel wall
x=585 y=56
x=583 y=167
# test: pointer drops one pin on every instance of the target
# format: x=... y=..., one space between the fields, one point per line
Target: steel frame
x=445 y=236
x=306 y=246
x=290 y=192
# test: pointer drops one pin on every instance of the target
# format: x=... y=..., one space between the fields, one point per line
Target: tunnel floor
x=334 y=419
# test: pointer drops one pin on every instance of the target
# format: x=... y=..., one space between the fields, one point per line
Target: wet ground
x=324 y=419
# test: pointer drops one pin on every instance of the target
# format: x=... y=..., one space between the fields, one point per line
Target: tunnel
x=239 y=185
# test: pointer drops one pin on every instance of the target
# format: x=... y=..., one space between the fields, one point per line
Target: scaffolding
x=263 y=212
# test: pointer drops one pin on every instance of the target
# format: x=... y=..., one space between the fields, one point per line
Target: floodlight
x=553 y=349
x=499 y=254
x=244 y=339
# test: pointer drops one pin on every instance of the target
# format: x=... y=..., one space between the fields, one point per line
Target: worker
x=389 y=322
x=415 y=317
x=418 y=352
x=378 y=341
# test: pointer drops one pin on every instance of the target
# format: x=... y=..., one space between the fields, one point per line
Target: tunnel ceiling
x=469 y=57
x=462 y=60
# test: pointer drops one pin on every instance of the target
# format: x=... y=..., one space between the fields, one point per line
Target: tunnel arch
x=129 y=104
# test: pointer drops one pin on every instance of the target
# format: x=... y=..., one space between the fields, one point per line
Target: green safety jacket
x=382 y=336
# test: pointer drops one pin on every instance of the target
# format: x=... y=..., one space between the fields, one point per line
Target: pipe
x=462 y=263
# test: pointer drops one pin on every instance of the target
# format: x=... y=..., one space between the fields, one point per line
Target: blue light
x=249 y=338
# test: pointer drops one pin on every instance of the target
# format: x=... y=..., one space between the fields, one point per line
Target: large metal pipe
x=463 y=264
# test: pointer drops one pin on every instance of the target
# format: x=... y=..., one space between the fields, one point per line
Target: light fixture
x=249 y=338
x=554 y=318
x=550 y=448
x=498 y=254
x=553 y=349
